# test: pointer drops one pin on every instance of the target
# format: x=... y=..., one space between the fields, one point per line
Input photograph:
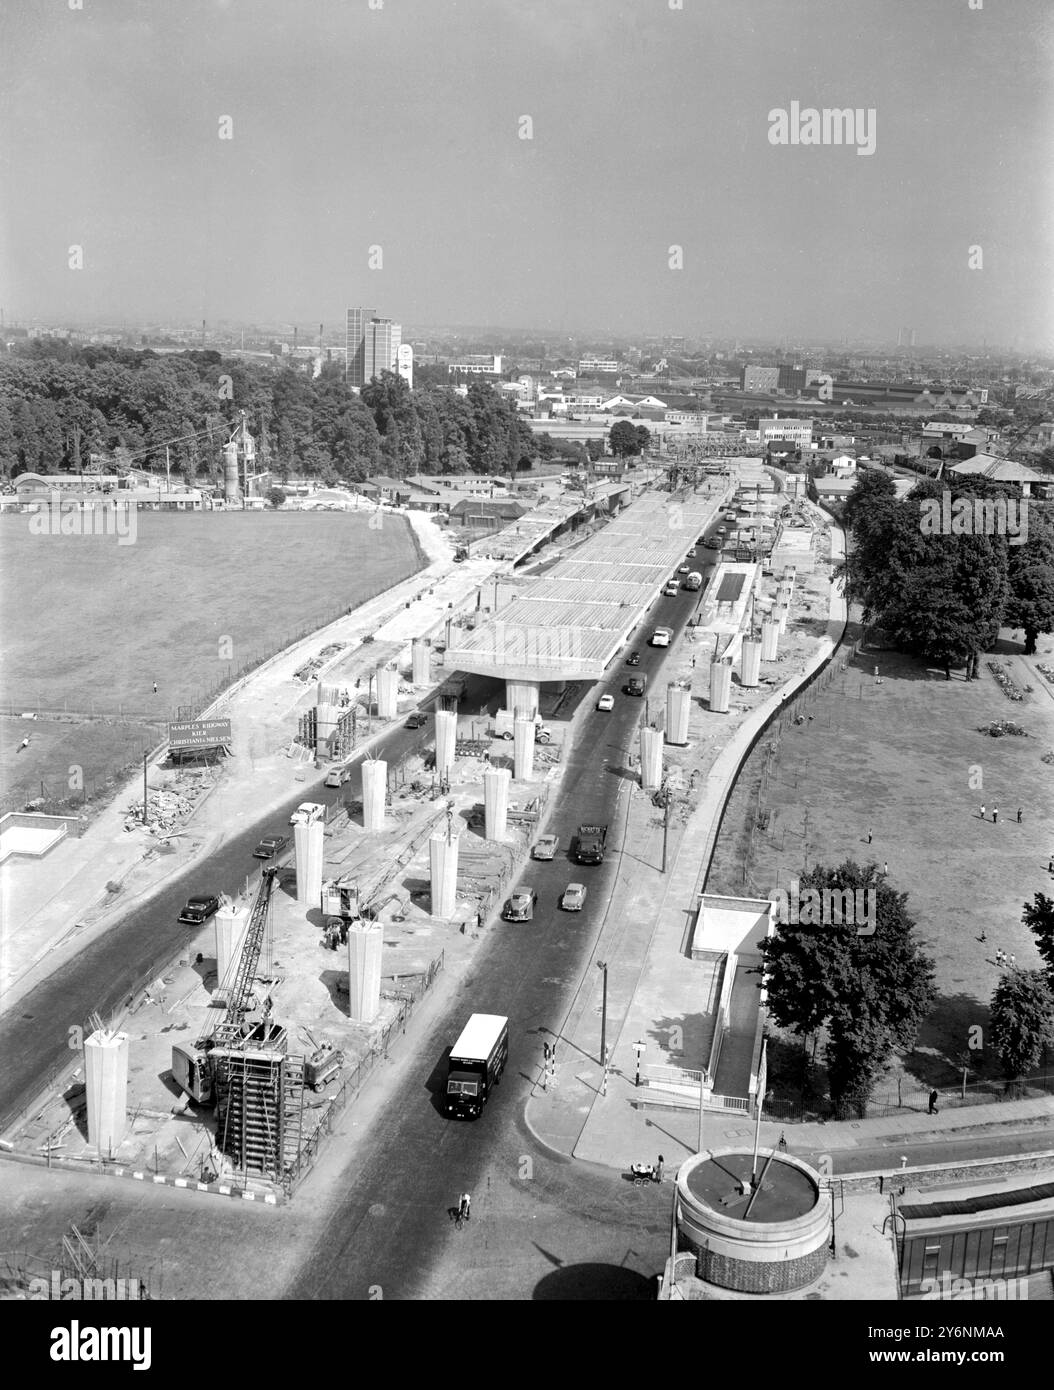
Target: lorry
x=589 y=846
x=694 y=581
x=475 y=1065
x=504 y=720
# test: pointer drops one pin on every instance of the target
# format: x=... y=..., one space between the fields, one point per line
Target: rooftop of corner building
x=785 y=1191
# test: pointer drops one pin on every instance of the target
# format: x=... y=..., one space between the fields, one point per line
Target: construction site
x=225 y=1072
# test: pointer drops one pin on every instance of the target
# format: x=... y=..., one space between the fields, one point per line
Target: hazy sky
x=400 y=127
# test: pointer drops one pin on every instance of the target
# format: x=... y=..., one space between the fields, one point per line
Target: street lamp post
x=603 y=965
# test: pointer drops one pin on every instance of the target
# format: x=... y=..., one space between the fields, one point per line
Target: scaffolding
x=260 y=1104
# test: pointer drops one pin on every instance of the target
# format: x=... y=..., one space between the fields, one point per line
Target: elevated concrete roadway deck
x=572 y=621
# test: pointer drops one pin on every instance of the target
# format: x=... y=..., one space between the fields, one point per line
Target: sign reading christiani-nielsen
x=199 y=733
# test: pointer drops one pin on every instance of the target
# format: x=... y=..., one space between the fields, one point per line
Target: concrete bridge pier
x=522 y=696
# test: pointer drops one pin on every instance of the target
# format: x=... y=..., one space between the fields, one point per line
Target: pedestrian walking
x=933 y=1104
x=24 y=743
x=1013 y=962
x=155 y=687
x=999 y=957
x=876 y=673
x=1019 y=815
x=983 y=936
x=465 y=1206
x=658 y=1169
x=885 y=866
x=870 y=837
x=995 y=815
x=1050 y=865
x=982 y=810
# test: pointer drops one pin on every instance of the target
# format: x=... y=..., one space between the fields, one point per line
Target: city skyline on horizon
x=165 y=162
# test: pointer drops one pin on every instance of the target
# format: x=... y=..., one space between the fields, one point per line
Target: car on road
x=199 y=908
x=672 y=589
x=713 y=543
x=337 y=776
x=574 y=897
x=416 y=721
x=545 y=847
x=633 y=659
x=636 y=685
x=682 y=569
x=606 y=702
x=520 y=906
x=270 y=846
x=307 y=811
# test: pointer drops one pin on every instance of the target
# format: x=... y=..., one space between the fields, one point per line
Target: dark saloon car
x=199 y=908
x=270 y=846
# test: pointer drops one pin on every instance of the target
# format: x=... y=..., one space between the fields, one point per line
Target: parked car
x=574 y=898
x=545 y=847
x=606 y=702
x=308 y=810
x=270 y=846
x=633 y=659
x=713 y=543
x=417 y=721
x=520 y=906
x=199 y=908
x=672 y=589
x=636 y=685
x=682 y=569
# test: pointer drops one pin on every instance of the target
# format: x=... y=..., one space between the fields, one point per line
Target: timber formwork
x=259 y=1109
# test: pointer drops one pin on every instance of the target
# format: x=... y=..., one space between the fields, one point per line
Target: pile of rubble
x=309 y=669
x=166 y=810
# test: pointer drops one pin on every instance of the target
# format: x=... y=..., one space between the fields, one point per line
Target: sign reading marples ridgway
x=199 y=733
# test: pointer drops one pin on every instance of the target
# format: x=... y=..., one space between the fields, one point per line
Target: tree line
x=942 y=570
x=60 y=404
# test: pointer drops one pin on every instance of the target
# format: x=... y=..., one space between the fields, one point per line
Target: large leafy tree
x=940 y=595
x=870 y=992
x=1022 y=1020
x=1030 y=605
x=1038 y=916
x=623 y=439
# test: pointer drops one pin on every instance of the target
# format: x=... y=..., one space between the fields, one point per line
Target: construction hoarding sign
x=199 y=733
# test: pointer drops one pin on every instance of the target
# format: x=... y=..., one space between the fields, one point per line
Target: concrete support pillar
x=523 y=749
x=720 y=686
x=387 y=693
x=750 y=662
x=326 y=717
x=308 y=841
x=421 y=656
x=449 y=630
x=443 y=860
x=678 y=707
x=374 y=792
x=365 y=940
x=446 y=739
x=770 y=639
x=650 y=759
x=106 y=1089
x=522 y=695
x=231 y=925
x=496 y=801
x=781 y=613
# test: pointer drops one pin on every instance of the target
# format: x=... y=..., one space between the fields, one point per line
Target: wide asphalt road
x=390 y=1231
